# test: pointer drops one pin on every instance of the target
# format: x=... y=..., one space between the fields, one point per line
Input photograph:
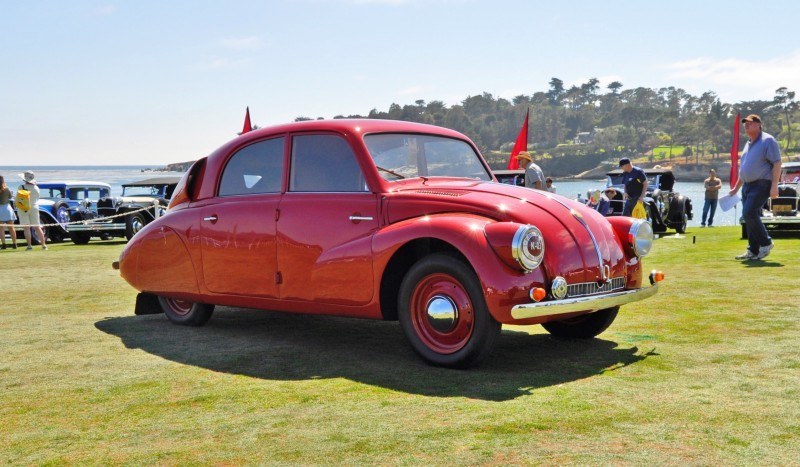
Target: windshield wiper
x=390 y=171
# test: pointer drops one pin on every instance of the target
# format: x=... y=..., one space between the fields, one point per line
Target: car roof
x=354 y=125
x=508 y=171
x=70 y=183
x=168 y=180
x=646 y=172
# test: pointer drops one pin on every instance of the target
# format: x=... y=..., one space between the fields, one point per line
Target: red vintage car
x=384 y=220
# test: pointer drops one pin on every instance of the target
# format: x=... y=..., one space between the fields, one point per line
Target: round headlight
x=641 y=237
x=527 y=248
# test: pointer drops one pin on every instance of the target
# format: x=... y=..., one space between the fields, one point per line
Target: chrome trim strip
x=580 y=219
x=360 y=218
x=589 y=304
x=94 y=227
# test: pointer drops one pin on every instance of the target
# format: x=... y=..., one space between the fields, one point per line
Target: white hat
x=28 y=176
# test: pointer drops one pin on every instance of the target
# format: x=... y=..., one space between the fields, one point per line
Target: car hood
x=579 y=242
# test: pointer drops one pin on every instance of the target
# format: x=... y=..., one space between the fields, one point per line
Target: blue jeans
x=754 y=195
x=710 y=204
x=630 y=203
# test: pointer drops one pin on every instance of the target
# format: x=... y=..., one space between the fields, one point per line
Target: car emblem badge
x=559 y=288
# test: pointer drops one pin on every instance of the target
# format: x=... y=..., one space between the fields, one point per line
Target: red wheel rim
x=179 y=307
x=442 y=313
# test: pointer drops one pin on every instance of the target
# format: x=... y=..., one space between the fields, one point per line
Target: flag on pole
x=247 y=126
x=520 y=145
x=734 y=177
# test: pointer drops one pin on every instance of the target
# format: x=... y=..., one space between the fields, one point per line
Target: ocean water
x=117 y=175
x=114 y=175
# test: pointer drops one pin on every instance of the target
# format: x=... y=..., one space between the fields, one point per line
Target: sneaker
x=702 y=225
x=44 y=247
x=747 y=255
x=3 y=247
x=14 y=246
x=763 y=252
x=28 y=248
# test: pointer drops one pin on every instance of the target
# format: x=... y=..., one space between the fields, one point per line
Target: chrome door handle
x=212 y=218
x=360 y=218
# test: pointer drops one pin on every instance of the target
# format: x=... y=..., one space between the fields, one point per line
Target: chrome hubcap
x=136 y=225
x=442 y=313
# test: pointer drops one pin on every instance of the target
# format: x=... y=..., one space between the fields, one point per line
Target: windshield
x=399 y=156
x=791 y=175
x=141 y=191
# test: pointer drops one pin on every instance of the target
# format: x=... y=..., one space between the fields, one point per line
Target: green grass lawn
x=706 y=372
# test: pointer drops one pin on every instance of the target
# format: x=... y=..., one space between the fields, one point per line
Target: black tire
x=680 y=227
x=583 y=327
x=80 y=238
x=186 y=313
x=655 y=218
x=55 y=234
x=134 y=223
x=443 y=313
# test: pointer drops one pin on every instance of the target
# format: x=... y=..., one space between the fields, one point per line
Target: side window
x=77 y=193
x=257 y=168
x=324 y=163
x=94 y=193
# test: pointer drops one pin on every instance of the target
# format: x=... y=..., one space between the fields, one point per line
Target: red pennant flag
x=247 y=126
x=734 y=178
x=520 y=145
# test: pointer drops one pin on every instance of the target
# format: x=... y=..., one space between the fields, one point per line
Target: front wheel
x=185 y=312
x=443 y=313
x=134 y=223
x=583 y=327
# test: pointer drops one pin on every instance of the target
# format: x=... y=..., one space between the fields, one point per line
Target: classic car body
x=384 y=220
x=665 y=208
x=58 y=199
x=783 y=213
x=123 y=216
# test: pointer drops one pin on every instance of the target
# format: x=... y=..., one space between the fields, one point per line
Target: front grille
x=591 y=288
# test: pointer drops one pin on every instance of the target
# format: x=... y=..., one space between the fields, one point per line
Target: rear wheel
x=680 y=227
x=443 y=313
x=185 y=312
x=583 y=327
x=79 y=238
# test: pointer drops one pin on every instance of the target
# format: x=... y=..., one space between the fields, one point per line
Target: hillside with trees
x=578 y=128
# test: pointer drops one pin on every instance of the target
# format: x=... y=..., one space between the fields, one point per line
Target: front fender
x=502 y=285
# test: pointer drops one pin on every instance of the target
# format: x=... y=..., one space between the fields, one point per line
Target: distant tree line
x=585 y=123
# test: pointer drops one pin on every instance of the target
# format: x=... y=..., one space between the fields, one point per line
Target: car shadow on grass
x=280 y=346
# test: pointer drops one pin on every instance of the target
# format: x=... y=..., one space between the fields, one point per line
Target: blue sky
x=146 y=82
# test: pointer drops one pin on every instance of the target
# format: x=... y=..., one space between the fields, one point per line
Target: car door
x=325 y=226
x=237 y=227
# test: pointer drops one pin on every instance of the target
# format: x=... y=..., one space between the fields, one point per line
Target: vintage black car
x=511 y=176
x=140 y=203
x=783 y=212
x=665 y=208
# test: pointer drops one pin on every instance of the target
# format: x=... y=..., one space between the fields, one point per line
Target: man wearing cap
x=534 y=177
x=635 y=182
x=759 y=173
x=31 y=217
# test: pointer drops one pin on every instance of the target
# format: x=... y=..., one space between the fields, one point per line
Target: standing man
x=31 y=216
x=534 y=177
x=635 y=185
x=759 y=173
x=712 y=185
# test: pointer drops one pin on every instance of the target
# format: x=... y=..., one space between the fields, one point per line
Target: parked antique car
x=665 y=208
x=510 y=176
x=123 y=216
x=57 y=199
x=783 y=213
x=384 y=220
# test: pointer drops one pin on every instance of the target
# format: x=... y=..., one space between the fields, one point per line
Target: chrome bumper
x=589 y=303
x=96 y=226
